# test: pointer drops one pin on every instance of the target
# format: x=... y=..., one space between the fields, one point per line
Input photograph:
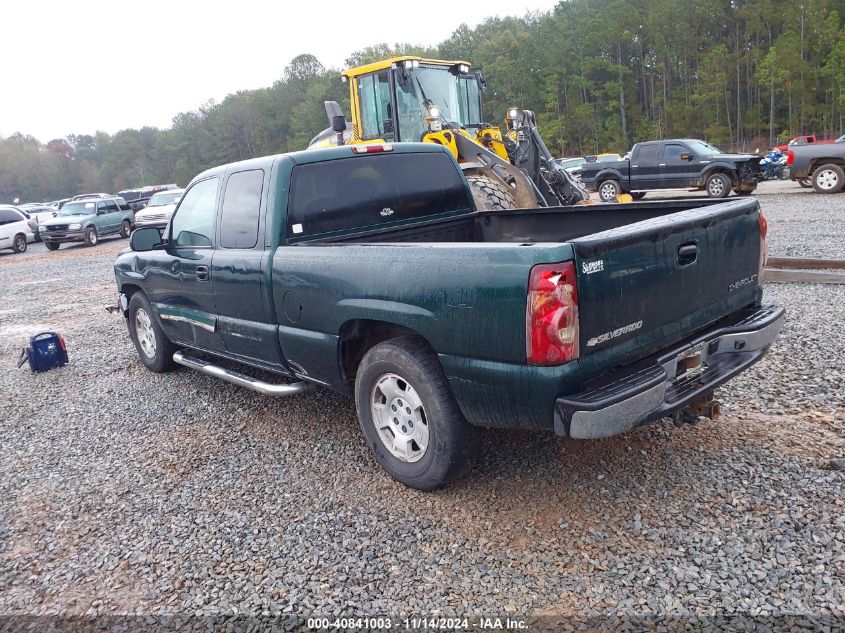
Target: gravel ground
x=126 y=492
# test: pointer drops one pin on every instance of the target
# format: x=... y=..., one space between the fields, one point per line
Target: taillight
x=790 y=157
x=764 y=246
x=551 y=320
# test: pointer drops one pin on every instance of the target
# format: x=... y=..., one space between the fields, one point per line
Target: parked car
x=803 y=140
x=159 y=209
x=822 y=164
x=41 y=213
x=346 y=268
x=16 y=230
x=602 y=158
x=674 y=164
x=55 y=205
x=572 y=165
x=138 y=198
x=87 y=221
x=84 y=196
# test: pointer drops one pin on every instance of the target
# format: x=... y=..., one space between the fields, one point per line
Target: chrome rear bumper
x=657 y=390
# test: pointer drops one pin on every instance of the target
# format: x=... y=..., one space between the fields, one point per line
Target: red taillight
x=551 y=320
x=790 y=157
x=373 y=148
x=764 y=246
x=61 y=342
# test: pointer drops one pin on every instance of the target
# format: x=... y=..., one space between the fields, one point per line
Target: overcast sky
x=86 y=65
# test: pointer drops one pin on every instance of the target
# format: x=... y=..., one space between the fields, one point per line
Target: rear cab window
x=364 y=192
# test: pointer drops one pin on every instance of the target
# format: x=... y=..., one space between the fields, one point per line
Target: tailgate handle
x=687 y=253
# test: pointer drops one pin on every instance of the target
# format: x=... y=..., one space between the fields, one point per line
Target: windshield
x=841 y=139
x=457 y=97
x=78 y=208
x=703 y=149
x=162 y=199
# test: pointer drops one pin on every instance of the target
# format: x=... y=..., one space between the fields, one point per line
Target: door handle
x=662 y=165
x=202 y=273
x=687 y=253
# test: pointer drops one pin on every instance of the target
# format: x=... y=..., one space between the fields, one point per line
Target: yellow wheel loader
x=412 y=99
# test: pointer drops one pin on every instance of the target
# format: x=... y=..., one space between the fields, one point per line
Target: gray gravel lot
x=124 y=492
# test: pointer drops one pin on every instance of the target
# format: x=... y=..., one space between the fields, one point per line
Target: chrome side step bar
x=242 y=380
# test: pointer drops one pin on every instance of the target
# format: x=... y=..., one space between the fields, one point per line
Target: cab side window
x=193 y=222
x=673 y=151
x=101 y=208
x=240 y=209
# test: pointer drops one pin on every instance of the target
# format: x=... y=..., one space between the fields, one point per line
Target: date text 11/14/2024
x=418 y=624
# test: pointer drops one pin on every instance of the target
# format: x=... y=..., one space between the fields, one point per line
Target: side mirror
x=482 y=83
x=146 y=239
x=339 y=123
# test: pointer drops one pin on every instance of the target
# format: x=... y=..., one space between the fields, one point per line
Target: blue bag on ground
x=45 y=351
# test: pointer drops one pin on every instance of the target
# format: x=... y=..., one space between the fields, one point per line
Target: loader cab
x=403 y=99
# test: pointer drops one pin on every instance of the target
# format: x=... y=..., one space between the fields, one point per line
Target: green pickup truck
x=368 y=270
x=87 y=220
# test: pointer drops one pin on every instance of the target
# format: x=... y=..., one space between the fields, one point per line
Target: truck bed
x=544 y=224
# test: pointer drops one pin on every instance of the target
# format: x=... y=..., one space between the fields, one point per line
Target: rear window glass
x=364 y=191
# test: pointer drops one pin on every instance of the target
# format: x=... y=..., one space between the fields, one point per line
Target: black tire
x=828 y=178
x=490 y=194
x=638 y=195
x=161 y=360
x=125 y=229
x=806 y=183
x=608 y=190
x=91 y=237
x=745 y=192
x=52 y=246
x=37 y=236
x=451 y=439
x=718 y=186
x=19 y=243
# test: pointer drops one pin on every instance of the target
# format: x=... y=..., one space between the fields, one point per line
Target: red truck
x=804 y=140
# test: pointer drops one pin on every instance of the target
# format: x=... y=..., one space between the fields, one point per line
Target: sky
x=78 y=67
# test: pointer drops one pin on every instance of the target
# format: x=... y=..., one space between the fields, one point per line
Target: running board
x=242 y=380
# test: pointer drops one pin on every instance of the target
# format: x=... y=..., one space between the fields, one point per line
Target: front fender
x=728 y=168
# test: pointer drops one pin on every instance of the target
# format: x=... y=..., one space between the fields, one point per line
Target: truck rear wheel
x=490 y=194
x=155 y=350
x=409 y=416
x=828 y=178
x=52 y=246
x=608 y=190
x=718 y=186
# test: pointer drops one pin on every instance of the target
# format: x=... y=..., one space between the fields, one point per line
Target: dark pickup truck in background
x=368 y=270
x=673 y=164
x=823 y=164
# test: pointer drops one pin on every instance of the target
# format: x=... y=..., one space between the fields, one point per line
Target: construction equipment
x=414 y=99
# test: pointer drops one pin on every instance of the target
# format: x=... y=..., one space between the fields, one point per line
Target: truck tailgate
x=646 y=285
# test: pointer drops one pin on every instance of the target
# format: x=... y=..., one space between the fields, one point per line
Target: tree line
x=600 y=74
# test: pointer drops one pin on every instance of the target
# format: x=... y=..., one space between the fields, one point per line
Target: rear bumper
x=645 y=393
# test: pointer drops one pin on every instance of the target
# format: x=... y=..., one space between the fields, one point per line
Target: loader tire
x=490 y=194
